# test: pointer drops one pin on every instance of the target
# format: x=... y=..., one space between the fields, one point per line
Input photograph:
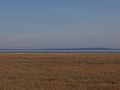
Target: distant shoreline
x=62 y=50
x=65 y=49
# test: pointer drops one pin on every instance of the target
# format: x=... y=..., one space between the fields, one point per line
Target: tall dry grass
x=59 y=71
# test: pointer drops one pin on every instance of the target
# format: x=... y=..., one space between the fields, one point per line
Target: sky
x=59 y=23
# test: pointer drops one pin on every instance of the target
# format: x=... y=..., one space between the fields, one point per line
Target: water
x=56 y=51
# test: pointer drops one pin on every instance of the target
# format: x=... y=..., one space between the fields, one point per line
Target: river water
x=56 y=51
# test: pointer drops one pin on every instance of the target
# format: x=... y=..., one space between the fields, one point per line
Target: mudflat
x=65 y=71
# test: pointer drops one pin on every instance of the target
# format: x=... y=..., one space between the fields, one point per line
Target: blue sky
x=59 y=23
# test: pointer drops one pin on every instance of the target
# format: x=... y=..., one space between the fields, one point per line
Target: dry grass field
x=59 y=71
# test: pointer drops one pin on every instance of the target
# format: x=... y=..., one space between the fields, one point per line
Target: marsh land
x=57 y=71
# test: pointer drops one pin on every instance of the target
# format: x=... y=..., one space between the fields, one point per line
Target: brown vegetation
x=59 y=71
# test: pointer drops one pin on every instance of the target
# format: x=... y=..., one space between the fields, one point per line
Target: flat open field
x=59 y=71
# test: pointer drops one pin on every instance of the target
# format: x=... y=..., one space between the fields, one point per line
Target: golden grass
x=59 y=71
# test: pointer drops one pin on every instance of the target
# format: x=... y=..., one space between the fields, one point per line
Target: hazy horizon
x=59 y=23
x=57 y=48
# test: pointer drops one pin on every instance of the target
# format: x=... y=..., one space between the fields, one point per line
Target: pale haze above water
x=59 y=23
